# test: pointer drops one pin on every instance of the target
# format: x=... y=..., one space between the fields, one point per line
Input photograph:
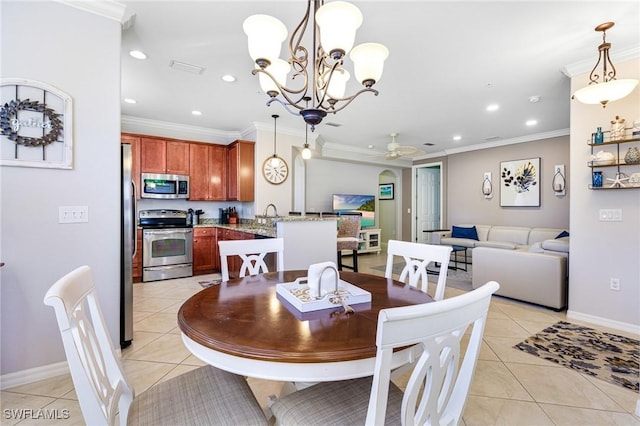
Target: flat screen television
x=365 y=204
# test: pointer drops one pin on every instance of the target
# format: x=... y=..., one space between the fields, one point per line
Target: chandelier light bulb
x=274 y=161
x=338 y=22
x=265 y=35
x=338 y=84
x=279 y=70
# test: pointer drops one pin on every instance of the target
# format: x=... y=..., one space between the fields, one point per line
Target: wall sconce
x=559 y=182
x=487 y=187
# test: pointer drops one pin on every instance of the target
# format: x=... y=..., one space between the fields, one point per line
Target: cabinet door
x=199 y=172
x=203 y=260
x=241 y=171
x=232 y=188
x=217 y=156
x=177 y=157
x=137 y=259
x=153 y=155
x=134 y=141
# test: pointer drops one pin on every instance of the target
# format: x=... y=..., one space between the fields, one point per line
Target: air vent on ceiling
x=428 y=144
x=183 y=66
x=492 y=138
x=333 y=124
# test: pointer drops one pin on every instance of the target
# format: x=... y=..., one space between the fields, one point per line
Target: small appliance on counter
x=196 y=216
x=228 y=216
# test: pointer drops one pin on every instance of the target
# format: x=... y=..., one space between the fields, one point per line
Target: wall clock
x=275 y=170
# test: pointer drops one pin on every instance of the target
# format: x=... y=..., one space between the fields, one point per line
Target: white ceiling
x=448 y=61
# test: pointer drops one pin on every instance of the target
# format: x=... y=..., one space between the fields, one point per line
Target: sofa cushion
x=462 y=232
x=557 y=244
x=497 y=244
x=540 y=234
x=464 y=242
x=510 y=234
x=536 y=248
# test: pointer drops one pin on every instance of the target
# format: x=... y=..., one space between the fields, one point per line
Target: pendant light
x=306 y=152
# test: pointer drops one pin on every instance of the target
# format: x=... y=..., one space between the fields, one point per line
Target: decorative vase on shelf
x=617 y=129
x=632 y=156
x=596 y=179
x=598 y=136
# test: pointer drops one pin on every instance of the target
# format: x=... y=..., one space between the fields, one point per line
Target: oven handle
x=165 y=267
x=168 y=231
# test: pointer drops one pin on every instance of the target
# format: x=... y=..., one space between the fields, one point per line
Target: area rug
x=458 y=278
x=607 y=356
x=209 y=283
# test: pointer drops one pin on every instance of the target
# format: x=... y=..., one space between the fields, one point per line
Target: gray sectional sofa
x=531 y=264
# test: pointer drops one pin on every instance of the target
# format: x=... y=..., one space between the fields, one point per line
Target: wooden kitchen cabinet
x=206 y=258
x=241 y=171
x=235 y=262
x=208 y=167
x=164 y=156
x=137 y=258
x=134 y=141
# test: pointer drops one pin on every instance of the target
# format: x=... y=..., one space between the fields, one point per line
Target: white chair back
x=439 y=383
x=252 y=253
x=98 y=376
x=417 y=258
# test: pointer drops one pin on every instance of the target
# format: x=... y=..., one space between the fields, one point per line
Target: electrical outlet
x=73 y=214
x=614 y=284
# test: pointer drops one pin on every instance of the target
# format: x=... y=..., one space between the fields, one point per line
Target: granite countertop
x=252 y=226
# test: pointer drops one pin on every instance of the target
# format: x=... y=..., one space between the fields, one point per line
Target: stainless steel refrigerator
x=128 y=250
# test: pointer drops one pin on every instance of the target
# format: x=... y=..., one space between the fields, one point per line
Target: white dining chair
x=417 y=257
x=252 y=253
x=439 y=381
x=205 y=395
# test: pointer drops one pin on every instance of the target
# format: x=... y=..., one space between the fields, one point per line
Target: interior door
x=428 y=202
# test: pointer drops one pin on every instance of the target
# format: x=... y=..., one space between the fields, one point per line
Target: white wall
x=602 y=250
x=40 y=41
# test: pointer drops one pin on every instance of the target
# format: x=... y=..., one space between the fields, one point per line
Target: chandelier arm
x=331 y=108
x=286 y=106
x=283 y=89
x=298 y=33
x=611 y=75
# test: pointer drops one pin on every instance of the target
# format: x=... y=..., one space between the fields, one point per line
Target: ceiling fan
x=395 y=150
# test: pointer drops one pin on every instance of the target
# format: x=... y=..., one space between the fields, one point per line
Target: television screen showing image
x=365 y=204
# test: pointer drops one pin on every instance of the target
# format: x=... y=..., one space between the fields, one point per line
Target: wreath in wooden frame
x=9 y=112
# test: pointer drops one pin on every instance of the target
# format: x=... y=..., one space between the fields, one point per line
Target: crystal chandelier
x=604 y=87
x=320 y=69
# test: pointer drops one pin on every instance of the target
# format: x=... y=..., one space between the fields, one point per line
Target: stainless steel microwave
x=164 y=186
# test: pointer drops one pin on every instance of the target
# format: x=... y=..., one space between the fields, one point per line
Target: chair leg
x=355 y=261
x=339 y=260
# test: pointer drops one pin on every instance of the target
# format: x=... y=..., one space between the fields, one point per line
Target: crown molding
x=495 y=144
x=586 y=65
x=216 y=135
x=106 y=8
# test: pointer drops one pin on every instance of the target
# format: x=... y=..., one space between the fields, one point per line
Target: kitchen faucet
x=275 y=210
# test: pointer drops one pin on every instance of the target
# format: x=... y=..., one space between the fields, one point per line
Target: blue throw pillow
x=563 y=234
x=462 y=232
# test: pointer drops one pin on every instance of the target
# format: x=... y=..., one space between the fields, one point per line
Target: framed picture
x=520 y=183
x=385 y=191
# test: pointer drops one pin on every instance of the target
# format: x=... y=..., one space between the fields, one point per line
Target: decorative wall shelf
x=618 y=162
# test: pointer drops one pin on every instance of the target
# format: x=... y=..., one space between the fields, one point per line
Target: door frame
x=415 y=192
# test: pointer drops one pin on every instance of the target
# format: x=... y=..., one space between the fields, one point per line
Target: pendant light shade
x=265 y=35
x=338 y=22
x=603 y=86
x=337 y=84
x=279 y=70
x=368 y=61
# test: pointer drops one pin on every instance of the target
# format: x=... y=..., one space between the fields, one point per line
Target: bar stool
x=348 y=239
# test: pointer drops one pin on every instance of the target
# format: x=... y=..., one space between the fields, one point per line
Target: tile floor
x=509 y=387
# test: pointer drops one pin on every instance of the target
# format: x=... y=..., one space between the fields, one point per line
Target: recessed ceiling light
x=493 y=107
x=457 y=137
x=194 y=112
x=531 y=122
x=130 y=101
x=370 y=146
x=138 y=54
x=534 y=99
x=228 y=78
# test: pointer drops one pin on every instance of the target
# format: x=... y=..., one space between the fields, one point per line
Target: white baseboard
x=31 y=375
x=605 y=322
x=638 y=408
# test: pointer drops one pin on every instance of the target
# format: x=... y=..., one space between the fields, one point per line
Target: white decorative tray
x=297 y=294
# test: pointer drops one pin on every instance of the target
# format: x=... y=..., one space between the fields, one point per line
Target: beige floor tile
x=262 y=389
x=569 y=416
x=144 y=374
x=481 y=410
x=140 y=315
x=534 y=327
x=54 y=387
x=168 y=348
x=177 y=371
x=192 y=360
x=562 y=386
x=140 y=340
x=59 y=412
x=17 y=406
x=173 y=309
x=157 y=323
x=626 y=398
x=523 y=311
x=153 y=304
x=503 y=348
x=504 y=328
x=493 y=379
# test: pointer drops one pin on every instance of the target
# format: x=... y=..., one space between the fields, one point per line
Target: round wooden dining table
x=245 y=327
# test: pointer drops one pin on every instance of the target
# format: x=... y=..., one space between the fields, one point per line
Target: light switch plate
x=73 y=214
x=610 y=215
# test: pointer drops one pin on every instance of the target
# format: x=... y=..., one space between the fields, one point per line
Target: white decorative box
x=297 y=294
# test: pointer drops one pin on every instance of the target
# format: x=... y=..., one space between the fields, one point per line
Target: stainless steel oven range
x=167 y=244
